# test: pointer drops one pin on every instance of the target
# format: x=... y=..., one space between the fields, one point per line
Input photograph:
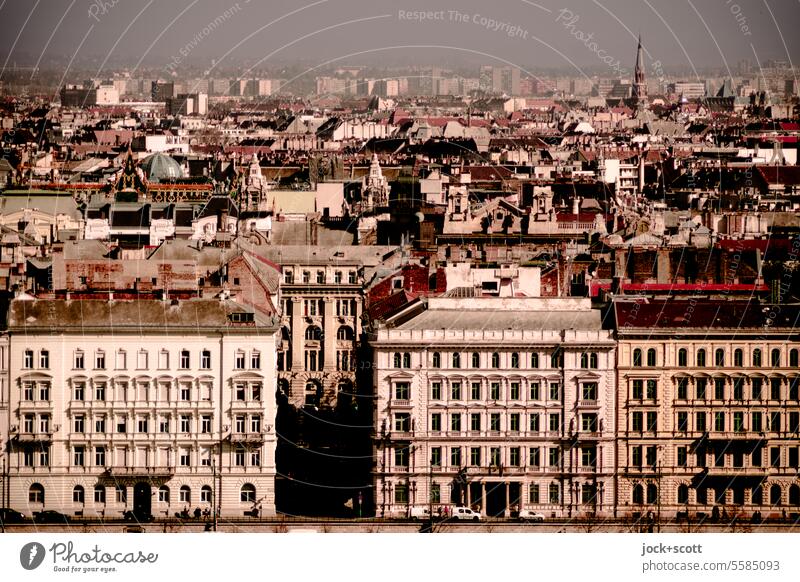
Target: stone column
x=329 y=327
x=298 y=330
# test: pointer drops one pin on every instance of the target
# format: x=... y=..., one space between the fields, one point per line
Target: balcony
x=248 y=438
x=35 y=437
x=143 y=472
x=400 y=403
x=588 y=404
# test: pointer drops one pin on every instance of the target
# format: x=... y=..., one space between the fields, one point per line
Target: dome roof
x=159 y=167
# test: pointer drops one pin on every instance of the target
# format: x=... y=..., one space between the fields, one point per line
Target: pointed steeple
x=639 y=83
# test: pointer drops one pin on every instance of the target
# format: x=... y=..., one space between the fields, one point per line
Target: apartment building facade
x=709 y=412
x=495 y=403
x=148 y=406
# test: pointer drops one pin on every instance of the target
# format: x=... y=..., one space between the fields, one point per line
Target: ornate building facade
x=498 y=404
x=146 y=406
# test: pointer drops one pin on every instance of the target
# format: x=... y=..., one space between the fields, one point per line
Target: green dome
x=160 y=167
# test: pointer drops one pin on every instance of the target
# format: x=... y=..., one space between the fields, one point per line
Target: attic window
x=242 y=317
x=397 y=283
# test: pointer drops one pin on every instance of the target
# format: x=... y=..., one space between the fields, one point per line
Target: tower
x=639 y=85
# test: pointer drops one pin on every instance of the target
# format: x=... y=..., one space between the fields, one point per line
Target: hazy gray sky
x=690 y=33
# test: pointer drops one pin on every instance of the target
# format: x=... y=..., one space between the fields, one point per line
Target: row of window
x=40 y=457
x=760 y=421
x=36 y=494
x=320 y=277
x=734 y=388
x=142 y=360
x=496 y=360
x=101 y=426
x=496 y=391
x=720 y=358
x=648 y=494
x=647 y=456
x=494 y=422
x=513 y=456
x=40 y=391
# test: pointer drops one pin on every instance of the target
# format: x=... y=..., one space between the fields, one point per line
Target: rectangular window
x=700 y=387
x=163 y=424
x=494 y=457
x=637 y=389
x=122 y=360
x=79 y=392
x=514 y=391
x=652 y=391
x=402 y=422
x=636 y=421
x=78 y=456
x=652 y=421
x=738 y=422
x=554 y=457
x=142 y=424
x=513 y=422
x=555 y=391
x=700 y=422
x=475 y=456
x=534 y=422
x=475 y=422
x=533 y=493
x=555 y=423
x=455 y=456
x=100 y=360
x=475 y=391
x=534 y=391
x=636 y=456
x=100 y=392
x=79 y=424
x=78 y=361
x=683 y=388
x=719 y=421
x=44 y=359
x=682 y=456
x=775 y=421
x=436 y=422
x=185 y=423
x=455 y=422
x=141 y=360
x=455 y=391
x=534 y=457
x=436 y=457
x=238 y=457
x=554 y=493
x=719 y=388
x=255 y=361
x=436 y=391
x=205 y=424
x=683 y=421
x=494 y=391
x=589 y=423
x=589 y=391
x=100 y=456
x=494 y=422
x=401 y=457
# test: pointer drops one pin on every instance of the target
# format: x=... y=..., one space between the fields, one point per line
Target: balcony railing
x=247 y=437
x=35 y=437
x=166 y=471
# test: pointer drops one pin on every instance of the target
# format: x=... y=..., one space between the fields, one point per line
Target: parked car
x=530 y=515
x=8 y=515
x=466 y=514
x=418 y=513
x=50 y=516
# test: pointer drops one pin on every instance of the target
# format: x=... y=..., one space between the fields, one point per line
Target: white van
x=466 y=514
x=418 y=513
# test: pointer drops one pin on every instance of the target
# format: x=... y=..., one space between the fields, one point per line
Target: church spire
x=639 y=84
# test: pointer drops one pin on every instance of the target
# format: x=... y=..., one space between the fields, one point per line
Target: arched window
x=794 y=495
x=794 y=359
x=593 y=361
x=406 y=360
x=719 y=357
x=163 y=494
x=78 y=494
x=436 y=360
x=313 y=333
x=344 y=333
x=637 y=358
x=397 y=361
x=701 y=358
x=756 y=358
x=638 y=495
x=535 y=361
x=683 y=494
x=99 y=494
x=652 y=493
x=584 y=360
x=683 y=360
x=185 y=494
x=651 y=357
x=36 y=493
x=247 y=493
x=775 y=358
x=476 y=360
x=738 y=358
x=456 y=360
x=205 y=494
x=495 y=360
x=775 y=495
x=556 y=359
x=515 y=360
